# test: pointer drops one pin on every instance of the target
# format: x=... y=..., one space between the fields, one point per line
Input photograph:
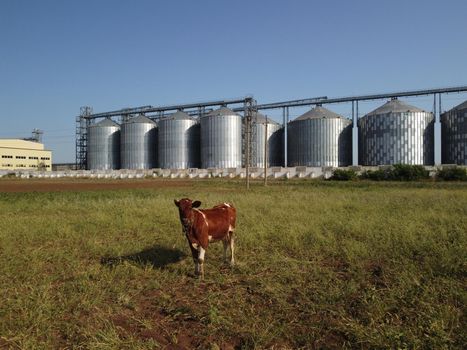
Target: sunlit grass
x=320 y=265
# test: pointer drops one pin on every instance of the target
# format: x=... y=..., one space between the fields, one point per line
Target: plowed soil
x=47 y=185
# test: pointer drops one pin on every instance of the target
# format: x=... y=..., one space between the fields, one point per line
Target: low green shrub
x=452 y=174
x=398 y=172
x=405 y=172
x=376 y=175
x=343 y=175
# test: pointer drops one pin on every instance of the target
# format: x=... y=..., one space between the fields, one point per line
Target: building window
x=20 y=157
x=33 y=157
x=7 y=156
x=45 y=158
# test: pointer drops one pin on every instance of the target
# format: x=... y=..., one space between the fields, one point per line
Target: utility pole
x=266 y=153
x=249 y=109
x=248 y=146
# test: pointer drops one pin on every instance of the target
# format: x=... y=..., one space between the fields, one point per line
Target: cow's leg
x=201 y=252
x=194 y=254
x=225 y=242
x=232 y=246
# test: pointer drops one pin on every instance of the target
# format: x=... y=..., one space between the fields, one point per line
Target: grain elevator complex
x=238 y=133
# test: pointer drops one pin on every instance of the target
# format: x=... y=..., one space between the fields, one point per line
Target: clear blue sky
x=56 y=56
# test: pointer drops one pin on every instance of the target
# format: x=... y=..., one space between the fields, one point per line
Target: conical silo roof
x=105 y=123
x=319 y=113
x=179 y=115
x=395 y=106
x=463 y=105
x=221 y=111
x=262 y=119
x=140 y=119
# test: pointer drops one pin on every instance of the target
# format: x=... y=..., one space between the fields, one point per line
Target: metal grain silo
x=221 y=139
x=396 y=133
x=138 y=143
x=320 y=138
x=454 y=135
x=103 y=146
x=178 y=140
x=274 y=138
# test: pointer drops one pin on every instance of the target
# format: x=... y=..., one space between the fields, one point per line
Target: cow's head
x=185 y=206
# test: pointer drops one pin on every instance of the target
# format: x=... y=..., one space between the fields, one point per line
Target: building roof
x=319 y=112
x=21 y=144
x=395 y=106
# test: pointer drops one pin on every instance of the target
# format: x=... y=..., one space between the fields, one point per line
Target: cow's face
x=185 y=206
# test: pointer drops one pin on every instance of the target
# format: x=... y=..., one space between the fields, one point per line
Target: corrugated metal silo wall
x=179 y=144
x=454 y=137
x=103 y=148
x=138 y=146
x=221 y=141
x=275 y=144
x=320 y=142
x=396 y=138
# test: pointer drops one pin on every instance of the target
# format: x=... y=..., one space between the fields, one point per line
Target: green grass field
x=320 y=265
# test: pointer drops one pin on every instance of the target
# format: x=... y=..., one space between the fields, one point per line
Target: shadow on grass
x=158 y=257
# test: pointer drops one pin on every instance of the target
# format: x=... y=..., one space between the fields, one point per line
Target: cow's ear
x=177 y=203
x=195 y=204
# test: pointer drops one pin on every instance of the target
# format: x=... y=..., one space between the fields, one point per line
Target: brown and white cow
x=202 y=226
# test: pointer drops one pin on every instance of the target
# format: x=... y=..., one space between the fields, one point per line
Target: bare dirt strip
x=48 y=185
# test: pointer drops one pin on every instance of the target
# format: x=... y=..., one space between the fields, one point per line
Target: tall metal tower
x=37 y=135
x=249 y=150
x=82 y=123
